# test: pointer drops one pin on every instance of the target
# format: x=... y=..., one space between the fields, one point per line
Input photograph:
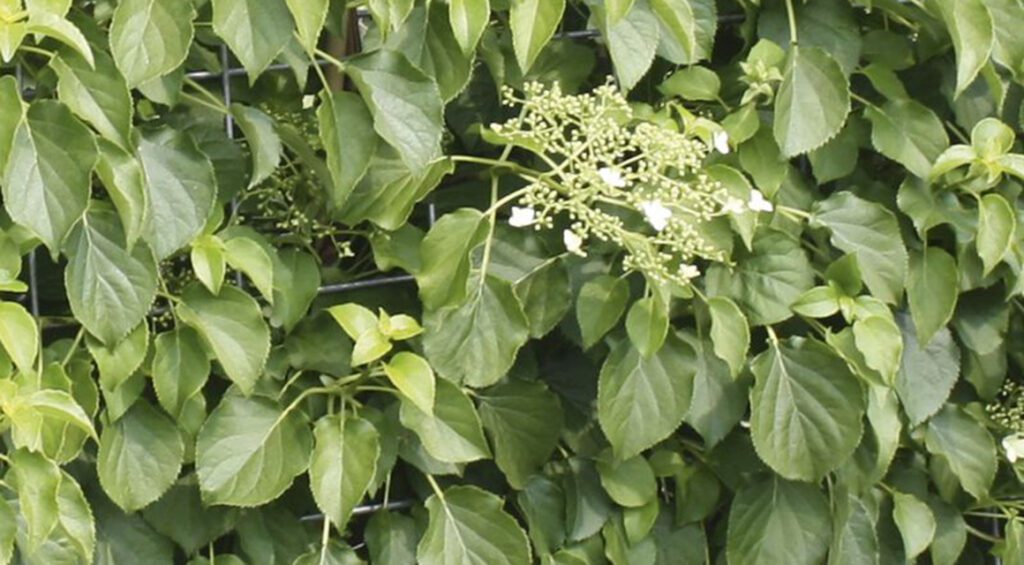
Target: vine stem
x=74 y=346
x=791 y=14
x=980 y=534
x=490 y=233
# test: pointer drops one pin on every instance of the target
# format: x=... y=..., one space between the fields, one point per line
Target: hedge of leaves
x=670 y=281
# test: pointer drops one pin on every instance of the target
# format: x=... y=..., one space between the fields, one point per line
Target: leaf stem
x=791 y=14
x=485 y=262
x=436 y=488
x=74 y=346
x=331 y=59
x=980 y=534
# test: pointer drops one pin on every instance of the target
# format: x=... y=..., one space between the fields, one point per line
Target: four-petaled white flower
x=1014 y=446
x=759 y=203
x=656 y=213
x=612 y=177
x=688 y=271
x=573 y=243
x=734 y=206
x=522 y=217
x=720 y=140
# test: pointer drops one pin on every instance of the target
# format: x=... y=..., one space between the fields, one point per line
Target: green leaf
x=915 y=522
x=181 y=186
x=630 y=483
x=12 y=112
x=950 y=533
x=346 y=131
x=310 y=16
x=476 y=342
x=208 y=264
x=122 y=176
x=233 y=327
x=777 y=521
x=804 y=426
x=967 y=447
x=150 y=38
x=730 y=332
x=255 y=30
x=446 y=257
x=109 y=288
x=680 y=30
x=854 y=536
x=764 y=281
x=927 y=372
x=391 y=538
x=249 y=451
x=37 y=481
x=997 y=226
x=180 y=369
x=831 y=25
x=181 y=516
x=719 y=399
x=599 y=307
x=1008 y=49
x=642 y=401
x=19 y=336
x=118 y=361
x=647 y=325
x=406 y=105
x=812 y=102
x=632 y=43
x=60 y=29
x=343 y=464
x=8 y=531
x=47 y=178
x=96 y=93
x=139 y=458
x=452 y=433
x=819 y=302
x=296 y=284
x=881 y=343
x=932 y=288
x=124 y=538
x=692 y=83
x=467 y=526
x=469 y=19
x=970 y=26
x=248 y=256
x=43 y=416
x=533 y=23
x=388 y=191
x=264 y=143
x=909 y=133
x=524 y=420
x=413 y=377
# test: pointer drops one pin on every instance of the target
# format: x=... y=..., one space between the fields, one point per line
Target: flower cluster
x=618 y=179
x=1007 y=411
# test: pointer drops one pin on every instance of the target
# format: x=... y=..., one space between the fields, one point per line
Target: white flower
x=573 y=243
x=612 y=177
x=720 y=140
x=522 y=217
x=308 y=101
x=1014 y=446
x=688 y=271
x=734 y=206
x=759 y=203
x=656 y=213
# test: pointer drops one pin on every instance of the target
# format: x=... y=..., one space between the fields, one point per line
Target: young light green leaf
x=641 y=401
x=37 y=482
x=12 y=112
x=812 y=102
x=181 y=185
x=96 y=93
x=730 y=332
x=62 y=30
x=819 y=302
x=533 y=22
x=405 y=103
x=233 y=327
x=140 y=456
x=522 y=419
x=48 y=173
x=180 y=368
x=370 y=346
x=599 y=307
x=255 y=30
x=476 y=342
x=19 y=335
x=915 y=522
x=310 y=16
x=264 y=143
x=909 y=133
x=150 y=38
x=249 y=451
x=777 y=521
x=932 y=289
x=967 y=447
x=125 y=181
x=452 y=433
x=346 y=130
x=110 y=289
x=630 y=483
x=355 y=319
x=343 y=463
x=881 y=343
x=680 y=30
x=469 y=19
x=246 y=255
x=692 y=83
x=970 y=26
x=647 y=325
x=632 y=43
x=997 y=226
x=208 y=263
x=468 y=526
x=413 y=377
x=119 y=360
x=804 y=426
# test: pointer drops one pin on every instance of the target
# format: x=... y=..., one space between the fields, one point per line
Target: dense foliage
x=658 y=281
